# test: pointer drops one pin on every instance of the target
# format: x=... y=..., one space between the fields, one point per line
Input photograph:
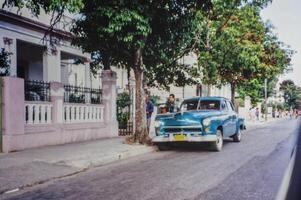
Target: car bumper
x=188 y=138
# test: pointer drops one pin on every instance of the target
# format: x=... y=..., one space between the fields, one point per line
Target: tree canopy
x=241 y=51
x=292 y=94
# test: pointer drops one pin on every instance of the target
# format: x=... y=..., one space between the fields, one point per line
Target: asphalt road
x=252 y=169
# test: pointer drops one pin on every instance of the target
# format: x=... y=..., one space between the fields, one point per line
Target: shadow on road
x=196 y=147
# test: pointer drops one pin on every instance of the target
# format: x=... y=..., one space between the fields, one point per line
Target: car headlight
x=157 y=124
x=206 y=122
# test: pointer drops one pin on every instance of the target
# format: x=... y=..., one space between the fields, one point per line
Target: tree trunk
x=209 y=90
x=140 y=132
x=233 y=87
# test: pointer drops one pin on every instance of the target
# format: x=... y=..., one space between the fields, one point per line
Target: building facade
x=51 y=97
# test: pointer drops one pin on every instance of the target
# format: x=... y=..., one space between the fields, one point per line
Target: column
x=52 y=64
x=109 y=95
x=88 y=82
x=13 y=118
x=57 y=99
x=87 y=76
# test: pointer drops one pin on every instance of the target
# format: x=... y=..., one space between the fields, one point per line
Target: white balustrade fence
x=77 y=113
x=38 y=113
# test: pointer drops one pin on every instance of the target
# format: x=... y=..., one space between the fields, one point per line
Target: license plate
x=179 y=137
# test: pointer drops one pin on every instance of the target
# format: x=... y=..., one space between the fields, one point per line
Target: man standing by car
x=170 y=104
x=149 y=111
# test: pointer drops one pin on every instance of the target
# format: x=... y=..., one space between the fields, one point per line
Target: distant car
x=201 y=119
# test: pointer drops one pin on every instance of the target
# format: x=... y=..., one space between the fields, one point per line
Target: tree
x=237 y=51
x=234 y=55
x=4 y=62
x=148 y=37
x=56 y=8
x=291 y=93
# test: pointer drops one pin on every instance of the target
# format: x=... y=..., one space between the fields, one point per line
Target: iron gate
x=125 y=113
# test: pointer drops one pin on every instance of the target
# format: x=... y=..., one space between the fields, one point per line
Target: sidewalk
x=34 y=166
x=262 y=122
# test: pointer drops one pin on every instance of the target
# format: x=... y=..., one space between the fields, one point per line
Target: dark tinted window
x=189 y=105
x=210 y=105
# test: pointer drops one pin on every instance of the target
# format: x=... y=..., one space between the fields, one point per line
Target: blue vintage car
x=201 y=119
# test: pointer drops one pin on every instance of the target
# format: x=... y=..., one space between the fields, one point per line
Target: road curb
x=85 y=165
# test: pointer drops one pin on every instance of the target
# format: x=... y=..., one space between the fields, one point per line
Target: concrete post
x=109 y=95
x=57 y=99
x=87 y=76
x=52 y=65
x=13 y=111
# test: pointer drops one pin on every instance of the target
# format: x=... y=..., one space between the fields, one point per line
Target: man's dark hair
x=173 y=96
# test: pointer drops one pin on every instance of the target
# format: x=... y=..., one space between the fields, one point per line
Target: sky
x=285 y=16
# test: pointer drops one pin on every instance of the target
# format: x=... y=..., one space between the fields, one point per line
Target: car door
x=227 y=121
x=233 y=118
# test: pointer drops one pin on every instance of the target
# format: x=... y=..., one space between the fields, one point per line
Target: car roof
x=207 y=98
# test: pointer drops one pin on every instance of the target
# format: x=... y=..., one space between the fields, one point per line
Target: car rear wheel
x=237 y=136
x=218 y=144
x=164 y=147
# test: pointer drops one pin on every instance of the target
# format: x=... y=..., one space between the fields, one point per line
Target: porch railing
x=38 y=113
x=75 y=94
x=37 y=90
x=77 y=113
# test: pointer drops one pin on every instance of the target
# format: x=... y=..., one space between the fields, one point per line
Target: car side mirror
x=223 y=106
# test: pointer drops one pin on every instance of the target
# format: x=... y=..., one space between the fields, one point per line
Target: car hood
x=191 y=118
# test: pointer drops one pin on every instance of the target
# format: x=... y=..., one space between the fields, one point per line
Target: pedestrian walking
x=257 y=114
x=171 y=104
x=250 y=114
x=149 y=111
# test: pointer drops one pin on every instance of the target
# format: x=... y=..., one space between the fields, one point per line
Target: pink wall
x=19 y=136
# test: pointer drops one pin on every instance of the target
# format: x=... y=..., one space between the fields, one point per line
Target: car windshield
x=189 y=105
x=204 y=105
x=209 y=105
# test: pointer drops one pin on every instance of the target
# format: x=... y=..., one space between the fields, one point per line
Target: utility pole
x=265 y=100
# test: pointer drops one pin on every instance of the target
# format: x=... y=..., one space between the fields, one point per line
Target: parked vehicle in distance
x=201 y=119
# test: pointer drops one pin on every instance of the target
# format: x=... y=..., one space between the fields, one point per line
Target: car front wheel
x=237 y=136
x=164 y=147
x=218 y=144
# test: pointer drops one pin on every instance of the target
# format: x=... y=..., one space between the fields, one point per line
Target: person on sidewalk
x=257 y=114
x=149 y=111
x=171 y=104
x=250 y=114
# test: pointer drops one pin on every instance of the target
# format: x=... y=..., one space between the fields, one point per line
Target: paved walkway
x=261 y=122
x=34 y=166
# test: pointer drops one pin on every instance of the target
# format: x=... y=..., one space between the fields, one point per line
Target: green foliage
x=154 y=99
x=4 y=62
x=292 y=93
x=123 y=105
x=123 y=100
x=239 y=49
x=114 y=31
x=35 y=6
